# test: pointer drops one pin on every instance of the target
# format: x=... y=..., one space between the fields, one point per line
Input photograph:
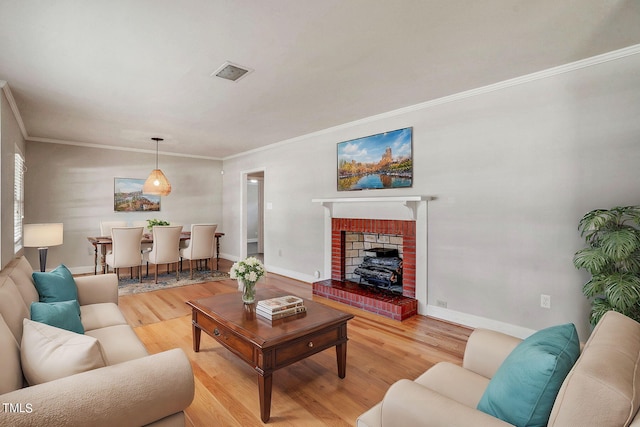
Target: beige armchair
x=600 y=390
x=166 y=248
x=201 y=245
x=125 y=249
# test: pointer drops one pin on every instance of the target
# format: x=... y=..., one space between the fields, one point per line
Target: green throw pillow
x=56 y=285
x=524 y=388
x=63 y=315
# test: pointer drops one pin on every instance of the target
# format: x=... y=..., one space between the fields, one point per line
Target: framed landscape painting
x=128 y=196
x=384 y=160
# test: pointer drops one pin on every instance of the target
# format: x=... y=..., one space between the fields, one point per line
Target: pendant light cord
x=157 y=140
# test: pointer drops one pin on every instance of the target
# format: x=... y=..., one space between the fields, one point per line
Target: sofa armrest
x=97 y=289
x=486 y=350
x=410 y=404
x=132 y=393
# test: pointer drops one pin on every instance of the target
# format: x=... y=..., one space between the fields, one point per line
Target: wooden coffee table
x=270 y=345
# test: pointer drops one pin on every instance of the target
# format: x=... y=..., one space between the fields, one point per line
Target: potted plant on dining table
x=153 y=222
x=247 y=272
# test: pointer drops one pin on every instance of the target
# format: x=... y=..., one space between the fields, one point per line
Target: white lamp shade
x=42 y=235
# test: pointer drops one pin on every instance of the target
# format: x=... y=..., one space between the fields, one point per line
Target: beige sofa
x=601 y=390
x=133 y=389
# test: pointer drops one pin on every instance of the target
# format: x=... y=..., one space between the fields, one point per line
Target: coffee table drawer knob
x=216 y=332
x=310 y=345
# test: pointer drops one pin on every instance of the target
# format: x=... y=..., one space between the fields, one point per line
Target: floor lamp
x=42 y=236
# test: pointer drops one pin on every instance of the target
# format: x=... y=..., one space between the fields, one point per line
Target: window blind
x=18 y=200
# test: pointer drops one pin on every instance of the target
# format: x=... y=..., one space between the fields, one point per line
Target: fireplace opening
x=381 y=269
x=352 y=240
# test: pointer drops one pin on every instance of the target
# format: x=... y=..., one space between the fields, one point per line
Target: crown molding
x=116 y=148
x=527 y=78
x=573 y=66
x=14 y=107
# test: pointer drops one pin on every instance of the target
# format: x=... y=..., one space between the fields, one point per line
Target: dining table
x=104 y=242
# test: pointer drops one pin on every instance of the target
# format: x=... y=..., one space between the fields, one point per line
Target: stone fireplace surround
x=338 y=288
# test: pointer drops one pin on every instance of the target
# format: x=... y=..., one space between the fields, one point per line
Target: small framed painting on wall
x=128 y=196
x=384 y=160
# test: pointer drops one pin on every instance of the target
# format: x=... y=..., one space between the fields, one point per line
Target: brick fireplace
x=378 y=232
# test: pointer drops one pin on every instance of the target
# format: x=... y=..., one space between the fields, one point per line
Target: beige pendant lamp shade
x=157 y=184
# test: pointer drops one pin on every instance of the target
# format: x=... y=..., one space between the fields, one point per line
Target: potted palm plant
x=612 y=257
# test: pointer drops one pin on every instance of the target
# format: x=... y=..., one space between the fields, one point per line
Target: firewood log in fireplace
x=384 y=273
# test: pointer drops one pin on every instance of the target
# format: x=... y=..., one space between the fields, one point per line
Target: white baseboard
x=230 y=257
x=446 y=314
x=460 y=318
x=292 y=274
x=277 y=270
x=473 y=321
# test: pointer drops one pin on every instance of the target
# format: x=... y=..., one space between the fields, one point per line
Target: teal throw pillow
x=63 y=315
x=524 y=388
x=56 y=285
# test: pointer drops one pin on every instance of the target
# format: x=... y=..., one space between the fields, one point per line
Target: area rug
x=128 y=286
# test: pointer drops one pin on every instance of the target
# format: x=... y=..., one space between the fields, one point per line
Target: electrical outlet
x=545 y=301
x=441 y=303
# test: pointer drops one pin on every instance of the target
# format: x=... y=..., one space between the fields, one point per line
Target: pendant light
x=157 y=184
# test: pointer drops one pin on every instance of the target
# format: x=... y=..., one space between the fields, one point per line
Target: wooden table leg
x=103 y=258
x=341 y=356
x=265 y=383
x=196 y=337
x=217 y=253
x=95 y=259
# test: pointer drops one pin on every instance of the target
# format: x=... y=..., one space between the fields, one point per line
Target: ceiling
x=116 y=73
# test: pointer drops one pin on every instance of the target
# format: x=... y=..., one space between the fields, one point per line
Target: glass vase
x=248 y=291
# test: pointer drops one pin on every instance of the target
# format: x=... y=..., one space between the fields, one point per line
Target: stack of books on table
x=277 y=308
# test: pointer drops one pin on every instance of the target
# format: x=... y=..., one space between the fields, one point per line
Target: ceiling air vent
x=231 y=71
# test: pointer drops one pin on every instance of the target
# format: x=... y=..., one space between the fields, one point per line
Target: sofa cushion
x=56 y=285
x=63 y=314
x=119 y=343
x=17 y=270
x=11 y=372
x=603 y=388
x=525 y=386
x=96 y=316
x=22 y=263
x=12 y=306
x=49 y=353
x=447 y=378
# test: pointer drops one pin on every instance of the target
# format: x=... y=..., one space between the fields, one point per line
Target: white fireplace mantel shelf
x=411 y=202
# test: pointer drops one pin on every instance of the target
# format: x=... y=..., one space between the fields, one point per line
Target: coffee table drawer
x=227 y=338
x=306 y=346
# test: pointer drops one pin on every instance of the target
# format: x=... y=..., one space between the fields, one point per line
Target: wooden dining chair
x=201 y=245
x=125 y=250
x=165 y=249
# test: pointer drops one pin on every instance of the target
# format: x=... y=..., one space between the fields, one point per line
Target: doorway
x=254 y=242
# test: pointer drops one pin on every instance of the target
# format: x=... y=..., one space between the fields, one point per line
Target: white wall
x=74 y=185
x=10 y=137
x=513 y=170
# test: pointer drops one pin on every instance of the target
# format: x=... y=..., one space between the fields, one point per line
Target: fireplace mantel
x=411 y=202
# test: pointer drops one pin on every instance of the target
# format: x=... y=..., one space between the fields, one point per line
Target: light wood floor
x=380 y=351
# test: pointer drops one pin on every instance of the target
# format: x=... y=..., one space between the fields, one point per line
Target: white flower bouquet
x=248 y=270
